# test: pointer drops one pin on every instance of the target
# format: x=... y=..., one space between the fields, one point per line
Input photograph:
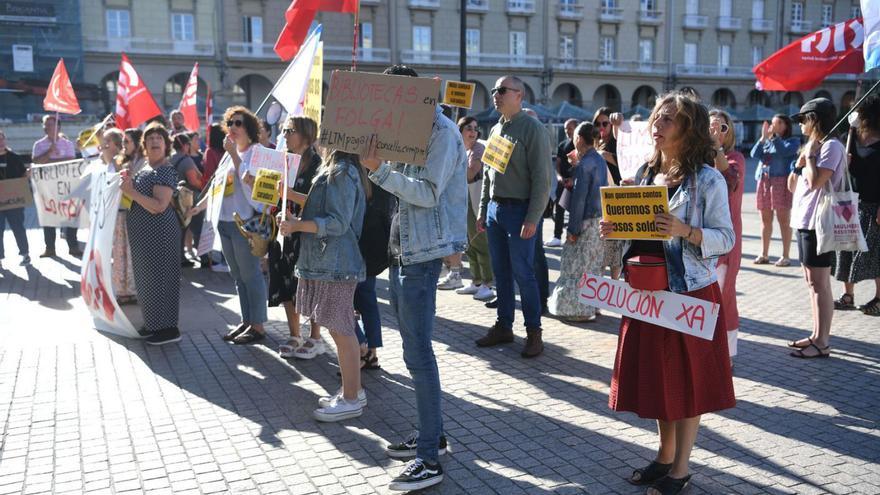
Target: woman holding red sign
x=660 y=373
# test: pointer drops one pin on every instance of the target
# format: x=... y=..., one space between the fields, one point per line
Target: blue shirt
x=776 y=155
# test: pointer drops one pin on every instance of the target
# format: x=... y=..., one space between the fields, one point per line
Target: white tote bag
x=837 y=219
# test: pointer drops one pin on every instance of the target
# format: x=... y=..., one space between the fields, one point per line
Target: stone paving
x=84 y=412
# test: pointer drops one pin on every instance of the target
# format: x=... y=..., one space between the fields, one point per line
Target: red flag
x=59 y=95
x=805 y=63
x=298 y=20
x=209 y=111
x=188 y=101
x=134 y=103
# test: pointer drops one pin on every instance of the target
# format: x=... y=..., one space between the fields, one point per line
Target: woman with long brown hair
x=661 y=373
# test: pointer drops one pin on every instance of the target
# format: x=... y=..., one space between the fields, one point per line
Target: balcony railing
x=424 y=4
x=521 y=7
x=761 y=25
x=604 y=66
x=475 y=59
x=343 y=54
x=148 y=46
x=245 y=49
x=611 y=14
x=801 y=26
x=729 y=23
x=714 y=70
x=478 y=6
x=570 y=10
x=650 y=17
x=693 y=21
x=371 y=2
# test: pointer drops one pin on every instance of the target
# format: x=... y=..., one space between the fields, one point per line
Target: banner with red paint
x=677 y=312
x=59 y=95
x=188 y=102
x=96 y=282
x=55 y=198
x=805 y=63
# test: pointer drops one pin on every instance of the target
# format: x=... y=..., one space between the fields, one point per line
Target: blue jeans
x=366 y=304
x=542 y=272
x=245 y=270
x=513 y=258
x=414 y=301
x=15 y=217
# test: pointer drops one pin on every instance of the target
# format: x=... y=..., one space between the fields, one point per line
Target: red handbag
x=646 y=272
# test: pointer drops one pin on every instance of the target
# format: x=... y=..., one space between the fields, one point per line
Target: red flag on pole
x=298 y=19
x=134 y=103
x=188 y=101
x=60 y=97
x=805 y=63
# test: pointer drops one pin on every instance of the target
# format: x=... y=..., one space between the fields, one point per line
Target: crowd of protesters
x=350 y=217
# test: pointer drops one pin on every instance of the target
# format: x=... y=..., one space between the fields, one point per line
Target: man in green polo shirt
x=514 y=196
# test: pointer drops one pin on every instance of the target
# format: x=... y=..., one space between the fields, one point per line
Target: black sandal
x=249 y=337
x=650 y=473
x=871 y=308
x=235 y=332
x=845 y=302
x=671 y=486
x=794 y=343
x=370 y=361
x=823 y=352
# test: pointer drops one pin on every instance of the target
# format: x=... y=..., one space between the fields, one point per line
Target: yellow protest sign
x=632 y=210
x=312 y=104
x=459 y=94
x=498 y=151
x=125 y=202
x=230 y=186
x=266 y=187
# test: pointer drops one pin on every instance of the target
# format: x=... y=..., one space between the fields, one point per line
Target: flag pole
x=354 y=41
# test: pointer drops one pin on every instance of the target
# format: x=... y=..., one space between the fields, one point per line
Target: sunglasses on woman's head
x=234 y=122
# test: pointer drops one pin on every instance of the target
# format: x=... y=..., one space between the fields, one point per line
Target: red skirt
x=664 y=374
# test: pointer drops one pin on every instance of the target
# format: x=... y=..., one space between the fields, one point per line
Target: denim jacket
x=337 y=206
x=776 y=155
x=432 y=202
x=589 y=175
x=691 y=267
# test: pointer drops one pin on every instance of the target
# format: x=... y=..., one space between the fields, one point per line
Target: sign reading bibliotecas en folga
x=399 y=110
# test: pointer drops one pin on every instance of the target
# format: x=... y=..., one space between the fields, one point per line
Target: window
x=757 y=54
x=757 y=9
x=725 y=8
x=365 y=39
x=827 y=14
x=472 y=41
x=797 y=12
x=855 y=11
x=518 y=45
x=646 y=51
x=566 y=49
x=690 y=54
x=692 y=7
x=422 y=43
x=648 y=5
x=609 y=4
x=253 y=29
x=118 y=24
x=606 y=49
x=182 y=27
x=723 y=56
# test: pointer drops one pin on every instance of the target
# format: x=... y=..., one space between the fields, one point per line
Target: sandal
x=781 y=262
x=249 y=337
x=235 y=332
x=823 y=352
x=370 y=361
x=288 y=348
x=671 y=486
x=311 y=349
x=761 y=260
x=794 y=343
x=650 y=473
x=872 y=308
x=845 y=302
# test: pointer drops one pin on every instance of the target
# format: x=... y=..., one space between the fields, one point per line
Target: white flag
x=290 y=90
x=871 y=20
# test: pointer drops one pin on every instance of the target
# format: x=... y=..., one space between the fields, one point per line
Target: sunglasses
x=604 y=123
x=501 y=90
x=288 y=131
x=234 y=122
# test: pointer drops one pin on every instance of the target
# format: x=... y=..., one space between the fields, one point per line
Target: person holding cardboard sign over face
x=430 y=223
x=515 y=193
x=660 y=373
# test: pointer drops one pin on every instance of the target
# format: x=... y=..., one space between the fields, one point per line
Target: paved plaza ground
x=82 y=411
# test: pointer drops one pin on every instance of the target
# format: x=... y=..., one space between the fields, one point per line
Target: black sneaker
x=408 y=447
x=144 y=333
x=417 y=475
x=164 y=336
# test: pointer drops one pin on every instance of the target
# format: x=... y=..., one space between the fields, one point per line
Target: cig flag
x=188 y=102
x=59 y=95
x=134 y=103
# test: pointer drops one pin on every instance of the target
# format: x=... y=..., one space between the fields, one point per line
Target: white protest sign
x=209 y=240
x=97 y=269
x=666 y=309
x=270 y=159
x=635 y=145
x=53 y=184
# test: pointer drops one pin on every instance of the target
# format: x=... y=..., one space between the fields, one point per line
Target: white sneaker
x=327 y=401
x=339 y=409
x=469 y=290
x=553 y=243
x=220 y=268
x=444 y=271
x=311 y=349
x=451 y=281
x=484 y=293
x=288 y=348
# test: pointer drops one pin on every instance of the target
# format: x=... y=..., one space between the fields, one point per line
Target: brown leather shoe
x=49 y=253
x=534 y=343
x=496 y=335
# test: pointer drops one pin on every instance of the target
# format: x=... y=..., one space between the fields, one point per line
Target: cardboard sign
x=315 y=89
x=269 y=159
x=15 y=193
x=498 y=151
x=677 y=312
x=459 y=94
x=266 y=187
x=54 y=186
x=398 y=109
x=635 y=145
x=632 y=209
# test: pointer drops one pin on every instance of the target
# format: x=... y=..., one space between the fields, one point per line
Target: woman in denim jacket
x=661 y=373
x=329 y=268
